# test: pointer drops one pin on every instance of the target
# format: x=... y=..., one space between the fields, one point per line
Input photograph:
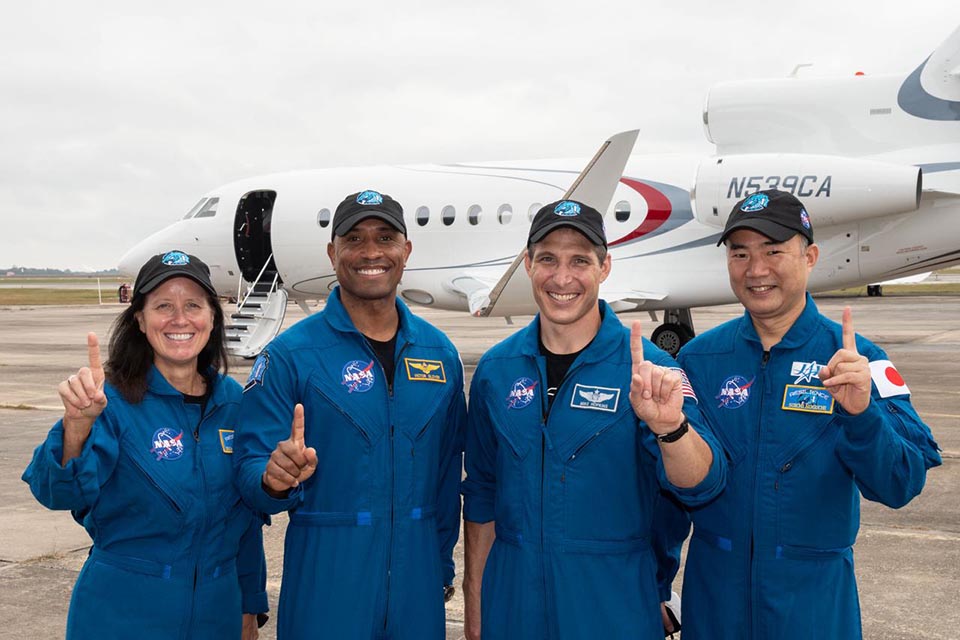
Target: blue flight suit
x=176 y=554
x=370 y=543
x=772 y=557
x=573 y=493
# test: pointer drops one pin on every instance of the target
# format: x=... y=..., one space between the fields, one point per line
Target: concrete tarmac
x=908 y=560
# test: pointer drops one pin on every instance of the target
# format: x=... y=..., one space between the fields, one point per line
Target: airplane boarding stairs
x=259 y=314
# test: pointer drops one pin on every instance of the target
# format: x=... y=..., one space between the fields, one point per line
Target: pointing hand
x=292 y=462
x=82 y=393
x=847 y=375
x=656 y=393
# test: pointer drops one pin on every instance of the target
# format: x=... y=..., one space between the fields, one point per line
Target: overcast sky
x=118 y=115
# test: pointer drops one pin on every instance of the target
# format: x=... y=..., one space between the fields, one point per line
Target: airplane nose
x=132 y=260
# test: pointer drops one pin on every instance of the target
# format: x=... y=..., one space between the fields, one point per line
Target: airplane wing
x=595 y=186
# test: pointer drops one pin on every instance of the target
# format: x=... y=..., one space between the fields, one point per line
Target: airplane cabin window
x=448 y=214
x=194 y=209
x=473 y=214
x=532 y=211
x=323 y=217
x=504 y=214
x=209 y=209
x=622 y=211
x=423 y=215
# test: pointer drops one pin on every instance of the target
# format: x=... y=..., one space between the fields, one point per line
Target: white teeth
x=373 y=271
x=761 y=289
x=563 y=297
x=179 y=336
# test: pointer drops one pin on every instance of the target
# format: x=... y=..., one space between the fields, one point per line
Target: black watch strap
x=677 y=433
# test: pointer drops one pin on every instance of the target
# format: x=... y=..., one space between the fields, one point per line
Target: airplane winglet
x=595 y=186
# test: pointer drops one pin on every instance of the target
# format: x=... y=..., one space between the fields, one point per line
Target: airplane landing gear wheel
x=670 y=337
x=874 y=290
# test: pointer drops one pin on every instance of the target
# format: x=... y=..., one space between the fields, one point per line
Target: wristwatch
x=676 y=434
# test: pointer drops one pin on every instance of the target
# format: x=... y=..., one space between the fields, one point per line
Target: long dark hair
x=131 y=355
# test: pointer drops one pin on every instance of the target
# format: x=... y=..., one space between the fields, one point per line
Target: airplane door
x=251 y=233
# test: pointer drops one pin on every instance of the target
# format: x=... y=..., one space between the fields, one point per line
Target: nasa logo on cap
x=522 y=393
x=804 y=219
x=734 y=392
x=167 y=444
x=369 y=198
x=567 y=209
x=756 y=202
x=175 y=259
x=358 y=376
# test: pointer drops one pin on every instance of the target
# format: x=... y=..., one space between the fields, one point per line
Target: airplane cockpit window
x=209 y=209
x=532 y=211
x=473 y=214
x=323 y=217
x=621 y=211
x=504 y=214
x=423 y=215
x=194 y=209
x=448 y=214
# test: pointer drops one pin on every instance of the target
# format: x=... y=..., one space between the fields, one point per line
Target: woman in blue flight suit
x=143 y=457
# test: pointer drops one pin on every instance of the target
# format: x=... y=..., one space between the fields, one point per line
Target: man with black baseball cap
x=813 y=416
x=352 y=420
x=575 y=426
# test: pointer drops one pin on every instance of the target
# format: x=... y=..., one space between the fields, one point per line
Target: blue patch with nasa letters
x=522 y=393
x=596 y=398
x=226 y=440
x=175 y=259
x=358 y=376
x=798 y=397
x=257 y=371
x=567 y=209
x=167 y=444
x=734 y=392
x=369 y=198
x=756 y=202
x=419 y=370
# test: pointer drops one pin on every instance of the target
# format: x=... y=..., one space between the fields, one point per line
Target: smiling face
x=566 y=274
x=770 y=278
x=369 y=259
x=177 y=320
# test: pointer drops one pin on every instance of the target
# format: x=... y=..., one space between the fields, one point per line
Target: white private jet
x=876 y=160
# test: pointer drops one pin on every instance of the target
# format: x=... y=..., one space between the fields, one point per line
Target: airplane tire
x=670 y=337
x=874 y=290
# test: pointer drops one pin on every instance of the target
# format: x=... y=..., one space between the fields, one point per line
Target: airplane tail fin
x=932 y=91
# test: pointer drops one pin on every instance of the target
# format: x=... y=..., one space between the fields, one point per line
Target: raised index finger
x=636 y=342
x=93 y=353
x=849 y=336
x=296 y=429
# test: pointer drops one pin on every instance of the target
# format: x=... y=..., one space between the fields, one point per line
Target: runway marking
x=942 y=536
x=939 y=415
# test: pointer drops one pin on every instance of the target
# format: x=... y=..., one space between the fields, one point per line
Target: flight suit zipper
x=393 y=479
x=753 y=568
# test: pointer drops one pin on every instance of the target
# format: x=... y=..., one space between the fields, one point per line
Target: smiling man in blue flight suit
x=788 y=393
x=575 y=426
x=353 y=421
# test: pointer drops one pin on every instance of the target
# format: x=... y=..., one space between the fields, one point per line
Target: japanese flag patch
x=888 y=379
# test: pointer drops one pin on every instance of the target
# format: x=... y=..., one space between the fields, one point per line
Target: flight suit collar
x=608 y=338
x=798 y=335
x=338 y=318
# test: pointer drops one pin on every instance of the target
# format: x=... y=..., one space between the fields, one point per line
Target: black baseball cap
x=367 y=204
x=568 y=213
x=172 y=264
x=776 y=214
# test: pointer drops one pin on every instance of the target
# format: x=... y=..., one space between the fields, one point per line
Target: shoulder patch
x=888 y=380
x=686 y=387
x=257 y=371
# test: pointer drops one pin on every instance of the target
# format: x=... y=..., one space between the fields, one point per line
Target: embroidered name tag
x=597 y=398
x=226 y=440
x=420 y=370
x=797 y=397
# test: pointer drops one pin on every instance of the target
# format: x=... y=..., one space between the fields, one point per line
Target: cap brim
x=157 y=280
x=773 y=230
x=354 y=220
x=590 y=234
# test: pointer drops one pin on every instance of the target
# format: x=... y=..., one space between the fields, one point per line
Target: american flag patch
x=685 y=385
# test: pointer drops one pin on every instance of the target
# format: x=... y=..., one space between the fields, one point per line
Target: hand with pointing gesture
x=847 y=375
x=292 y=462
x=656 y=393
x=83 y=400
